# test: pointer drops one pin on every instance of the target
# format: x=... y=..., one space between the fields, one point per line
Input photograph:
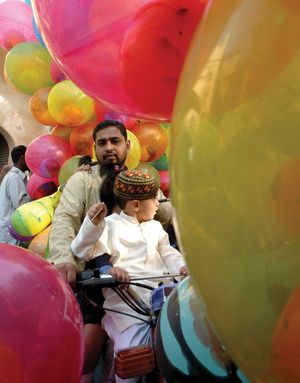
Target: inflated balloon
x=187 y=346
x=158 y=30
x=37 y=32
x=148 y=168
x=69 y=105
x=285 y=358
x=38 y=105
x=15 y=24
x=68 y=169
x=164 y=182
x=134 y=154
x=31 y=218
x=234 y=160
x=39 y=187
x=46 y=154
x=39 y=243
x=40 y=321
x=17 y=236
x=62 y=132
x=81 y=139
x=162 y=163
x=153 y=52
x=153 y=140
x=56 y=73
x=27 y=67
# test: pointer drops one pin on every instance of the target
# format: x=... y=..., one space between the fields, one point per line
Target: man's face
x=111 y=147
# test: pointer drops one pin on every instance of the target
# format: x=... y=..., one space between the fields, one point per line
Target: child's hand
x=97 y=212
x=120 y=275
x=184 y=271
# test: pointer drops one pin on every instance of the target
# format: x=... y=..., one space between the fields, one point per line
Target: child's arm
x=85 y=244
x=171 y=257
x=97 y=213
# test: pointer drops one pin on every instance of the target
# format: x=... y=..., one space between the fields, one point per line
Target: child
x=137 y=245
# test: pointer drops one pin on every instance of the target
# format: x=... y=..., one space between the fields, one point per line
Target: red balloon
x=41 y=324
x=39 y=187
x=154 y=49
x=165 y=182
x=46 y=154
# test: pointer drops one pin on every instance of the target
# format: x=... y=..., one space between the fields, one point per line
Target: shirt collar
x=17 y=170
x=129 y=218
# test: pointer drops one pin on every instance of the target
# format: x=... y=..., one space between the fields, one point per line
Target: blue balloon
x=37 y=32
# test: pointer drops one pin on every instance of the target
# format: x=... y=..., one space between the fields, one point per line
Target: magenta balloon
x=46 y=154
x=95 y=30
x=40 y=321
x=15 y=23
x=39 y=187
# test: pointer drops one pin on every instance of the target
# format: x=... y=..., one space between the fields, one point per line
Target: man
x=13 y=192
x=79 y=194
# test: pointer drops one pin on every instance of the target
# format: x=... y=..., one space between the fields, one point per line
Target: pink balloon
x=86 y=40
x=15 y=24
x=46 y=154
x=39 y=187
x=40 y=321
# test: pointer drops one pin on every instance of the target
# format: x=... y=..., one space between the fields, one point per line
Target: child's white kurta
x=139 y=248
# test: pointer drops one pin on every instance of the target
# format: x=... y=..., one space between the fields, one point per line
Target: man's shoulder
x=85 y=177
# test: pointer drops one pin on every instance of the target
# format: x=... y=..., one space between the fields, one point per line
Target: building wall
x=17 y=126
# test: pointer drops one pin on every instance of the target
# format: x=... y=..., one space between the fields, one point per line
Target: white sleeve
x=171 y=257
x=85 y=244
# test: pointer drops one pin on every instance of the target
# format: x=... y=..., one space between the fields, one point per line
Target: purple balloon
x=17 y=236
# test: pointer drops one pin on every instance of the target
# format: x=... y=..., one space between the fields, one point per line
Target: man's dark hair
x=17 y=153
x=110 y=123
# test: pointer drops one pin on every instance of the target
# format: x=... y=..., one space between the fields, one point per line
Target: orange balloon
x=81 y=139
x=153 y=140
x=39 y=243
x=285 y=357
x=38 y=105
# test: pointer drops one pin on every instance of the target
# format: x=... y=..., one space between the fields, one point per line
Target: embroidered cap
x=135 y=184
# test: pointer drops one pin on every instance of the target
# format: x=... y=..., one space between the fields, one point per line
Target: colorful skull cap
x=135 y=184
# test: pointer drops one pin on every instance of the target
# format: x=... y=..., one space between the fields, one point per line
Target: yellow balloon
x=235 y=145
x=31 y=218
x=69 y=105
x=134 y=154
x=27 y=67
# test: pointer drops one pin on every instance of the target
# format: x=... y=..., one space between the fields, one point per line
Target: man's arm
x=66 y=221
x=17 y=191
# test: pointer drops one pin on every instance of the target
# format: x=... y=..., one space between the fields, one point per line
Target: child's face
x=147 y=210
